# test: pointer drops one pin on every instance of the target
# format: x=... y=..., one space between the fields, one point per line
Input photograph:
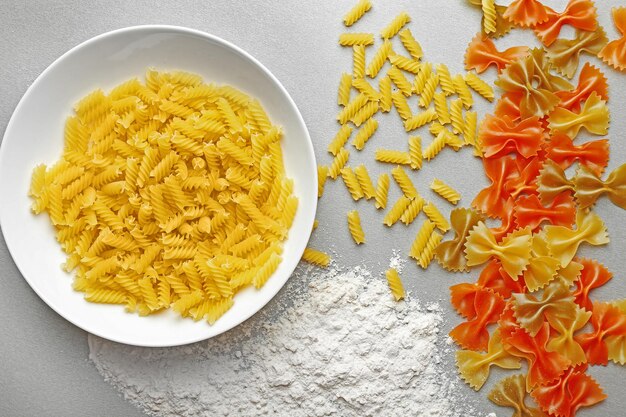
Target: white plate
x=35 y=134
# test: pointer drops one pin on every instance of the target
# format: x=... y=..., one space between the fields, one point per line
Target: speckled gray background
x=44 y=369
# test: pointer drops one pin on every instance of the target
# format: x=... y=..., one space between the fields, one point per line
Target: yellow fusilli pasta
x=445 y=191
x=384 y=87
x=365 y=133
x=404 y=182
x=382 y=190
x=395 y=25
x=338 y=163
x=343 y=93
x=463 y=91
x=377 y=62
x=316 y=257
x=352 y=183
x=395 y=284
x=322 y=175
x=421 y=239
x=435 y=216
x=340 y=139
x=394 y=214
x=392 y=157
x=420 y=119
x=351 y=39
x=411 y=212
x=441 y=106
x=480 y=86
x=357 y=11
x=400 y=81
x=410 y=44
x=354 y=225
x=365 y=182
x=358 y=61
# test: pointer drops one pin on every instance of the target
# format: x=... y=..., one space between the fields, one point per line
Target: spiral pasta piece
x=428 y=92
x=400 y=81
x=382 y=191
x=401 y=105
x=445 y=79
x=415 y=152
x=316 y=257
x=352 y=108
x=410 y=44
x=338 y=163
x=354 y=225
x=441 y=106
x=365 y=182
x=340 y=139
x=412 y=210
x=394 y=214
x=377 y=62
x=426 y=70
x=463 y=91
x=358 y=61
x=489 y=16
x=456 y=116
x=365 y=113
x=365 y=133
x=352 y=183
x=395 y=25
x=420 y=119
x=384 y=87
x=392 y=157
x=322 y=176
x=395 y=284
x=480 y=86
x=435 y=146
x=343 y=93
x=405 y=63
x=445 y=191
x=351 y=39
x=404 y=182
x=366 y=88
x=421 y=239
x=357 y=12
x=435 y=216
x=428 y=253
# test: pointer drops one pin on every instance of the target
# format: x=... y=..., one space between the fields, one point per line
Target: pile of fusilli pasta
x=171 y=193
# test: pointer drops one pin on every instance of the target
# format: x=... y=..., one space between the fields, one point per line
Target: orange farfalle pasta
x=473 y=334
x=588 y=187
x=552 y=182
x=482 y=52
x=580 y=14
x=530 y=77
x=513 y=252
x=501 y=135
x=526 y=13
x=450 y=253
x=591 y=80
x=507 y=221
x=511 y=392
x=474 y=366
x=564 y=343
x=564 y=242
x=526 y=181
x=593 y=275
x=542 y=268
x=593 y=155
x=509 y=105
x=609 y=330
x=543 y=366
x=492 y=200
x=614 y=53
x=564 y=54
x=530 y=212
x=556 y=302
x=594 y=117
x=571 y=391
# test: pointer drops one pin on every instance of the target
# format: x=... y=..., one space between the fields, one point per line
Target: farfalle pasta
x=614 y=53
x=511 y=392
x=593 y=275
x=563 y=342
x=607 y=339
x=588 y=187
x=564 y=54
x=593 y=155
x=482 y=53
x=542 y=268
x=526 y=13
x=552 y=182
x=450 y=254
x=500 y=136
x=530 y=212
x=593 y=116
x=473 y=334
x=591 y=80
x=580 y=14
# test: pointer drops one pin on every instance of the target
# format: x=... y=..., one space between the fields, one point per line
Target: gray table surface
x=44 y=370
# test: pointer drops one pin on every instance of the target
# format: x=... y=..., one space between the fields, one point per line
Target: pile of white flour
x=331 y=343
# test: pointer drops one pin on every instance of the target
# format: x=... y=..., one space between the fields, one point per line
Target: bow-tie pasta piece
x=473 y=334
x=482 y=53
x=588 y=187
x=609 y=327
x=564 y=242
x=493 y=278
x=513 y=252
x=450 y=253
x=531 y=78
x=511 y=392
x=501 y=135
x=492 y=200
x=564 y=54
x=571 y=391
x=509 y=105
x=614 y=53
x=526 y=13
x=593 y=275
x=563 y=342
x=542 y=268
x=530 y=212
x=580 y=14
x=593 y=155
x=474 y=366
x=591 y=80
x=594 y=117
x=552 y=182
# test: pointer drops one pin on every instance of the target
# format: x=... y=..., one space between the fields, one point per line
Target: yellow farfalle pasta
x=343 y=93
x=435 y=216
x=594 y=117
x=445 y=191
x=365 y=182
x=410 y=44
x=395 y=284
x=340 y=139
x=415 y=151
x=316 y=257
x=351 y=39
x=354 y=225
x=166 y=192
x=338 y=163
x=420 y=119
x=395 y=25
x=352 y=183
x=392 y=157
x=480 y=86
x=404 y=182
x=382 y=190
x=377 y=62
x=358 y=61
x=365 y=133
x=394 y=214
x=357 y=12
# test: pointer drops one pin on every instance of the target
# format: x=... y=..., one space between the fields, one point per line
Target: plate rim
x=181 y=30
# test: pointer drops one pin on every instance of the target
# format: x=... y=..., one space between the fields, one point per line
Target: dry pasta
x=394 y=214
x=384 y=86
x=428 y=92
x=377 y=62
x=415 y=152
x=351 y=39
x=480 y=86
x=322 y=176
x=316 y=257
x=354 y=14
x=358 y=61
x=170 y=194
x=435 y=216
x=435 y=146
x=421 y=239
x=395 y=284
x=400 y=81
x=365 y=182
x=382 y=191
x=404 y=182
x=340 y=139
x=445 y=191
x=364 y=87
x=352 y=183
x=445 y=79
x=410 y=44
x=411 y=212
x=441 y=106
x=401 y=105
x=338 y=163
x=392 y=157
x=343 y=94
x=405 y=63
x=428 y=253
x=420 y=119
x=395 y=25
x=364 y=114
x=426 y=70
x=456 y=115
x=463 y=91
x=354 y=225
x=352 y=108
x=365 y=133
x=489 y=16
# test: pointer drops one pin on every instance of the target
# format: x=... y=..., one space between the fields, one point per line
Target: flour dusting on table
x=331 y=343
